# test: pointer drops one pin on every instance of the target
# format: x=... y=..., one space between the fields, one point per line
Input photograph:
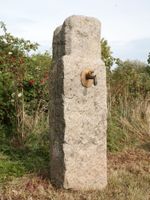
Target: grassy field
x=23 y=176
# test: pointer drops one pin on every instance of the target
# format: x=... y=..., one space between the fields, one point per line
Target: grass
x=128 y=179
x=33 y=157
x=24 y=172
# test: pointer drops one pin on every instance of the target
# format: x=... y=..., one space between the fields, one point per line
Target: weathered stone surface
x=77 y=114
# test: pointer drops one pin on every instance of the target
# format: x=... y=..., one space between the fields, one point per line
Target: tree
x=109 y=60
x=106 y=54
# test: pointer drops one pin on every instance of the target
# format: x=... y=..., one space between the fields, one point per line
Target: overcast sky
x=125 y=23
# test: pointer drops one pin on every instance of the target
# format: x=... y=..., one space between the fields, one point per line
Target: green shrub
x=23 y=85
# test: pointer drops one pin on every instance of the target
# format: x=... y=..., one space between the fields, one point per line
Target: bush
x=128 y=94
x=23 y=84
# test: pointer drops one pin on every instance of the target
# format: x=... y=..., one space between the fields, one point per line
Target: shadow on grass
x=33 y=157
x=146 y=146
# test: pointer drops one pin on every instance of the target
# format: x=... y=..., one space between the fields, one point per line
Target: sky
x=125 y=23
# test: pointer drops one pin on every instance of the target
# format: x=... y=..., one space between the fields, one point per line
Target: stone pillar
x=78 y=112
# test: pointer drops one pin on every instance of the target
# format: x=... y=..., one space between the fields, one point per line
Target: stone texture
x=78 y=115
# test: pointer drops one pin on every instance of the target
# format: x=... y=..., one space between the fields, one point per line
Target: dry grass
x=138 y=120
x=129 y=179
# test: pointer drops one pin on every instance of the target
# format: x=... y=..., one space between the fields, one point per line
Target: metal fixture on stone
x=88 y=78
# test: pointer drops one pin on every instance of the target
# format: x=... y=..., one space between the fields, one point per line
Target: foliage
x=134 y=79
x=23 y=107
x=36 y=83
x=33 y=157
x=128 y=104
x=106 y=53
x=116 y=138
x=107 y=57
x=23 y=84
x=13 y=56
